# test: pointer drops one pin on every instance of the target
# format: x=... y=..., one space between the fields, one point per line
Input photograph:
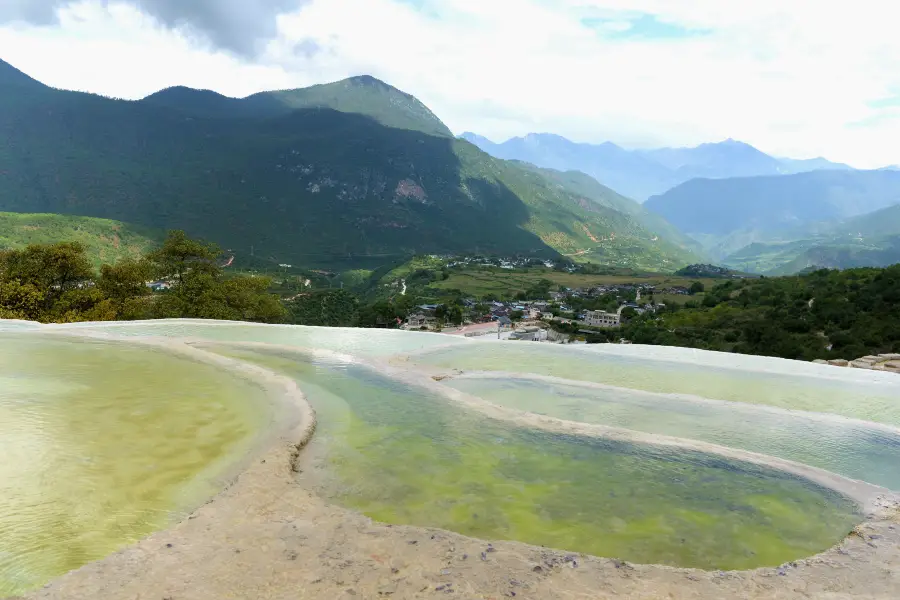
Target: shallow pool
x=855 y=449
x=405 y=455
x=103 y=443
x=841 y=392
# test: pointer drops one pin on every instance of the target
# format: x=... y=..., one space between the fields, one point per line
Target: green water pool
x=404 y=455
x=854 y=449
x=104 y=443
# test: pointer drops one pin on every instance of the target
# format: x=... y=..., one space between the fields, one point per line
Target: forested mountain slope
x=297 y=185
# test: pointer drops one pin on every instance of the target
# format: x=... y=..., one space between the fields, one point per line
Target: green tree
x=330 y=308
x=696 y=288
x=455 y=314
x=20 y=300
x=248 y=299
x=180 y=255
x=51 y=283
x=125 y=285
x=201 y=291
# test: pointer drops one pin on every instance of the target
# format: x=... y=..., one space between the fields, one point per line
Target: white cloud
x=793 y=77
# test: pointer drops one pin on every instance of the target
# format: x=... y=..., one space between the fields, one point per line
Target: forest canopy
x=56 y=283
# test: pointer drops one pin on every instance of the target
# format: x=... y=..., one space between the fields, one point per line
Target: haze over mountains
x=725 y=214
x=358 y=170
x=640 y=174
x=742 y=207
x=350 y=171
x=869 y=240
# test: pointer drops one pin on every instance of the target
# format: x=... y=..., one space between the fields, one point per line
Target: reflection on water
x=101 y=444
x=402 y=455
x=849 y=448
x=849 y=397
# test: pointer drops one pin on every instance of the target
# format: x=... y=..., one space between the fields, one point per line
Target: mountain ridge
x=314 y=182
x=643 y=173
x=361 y=94
x=721 y=206
x=10 y=75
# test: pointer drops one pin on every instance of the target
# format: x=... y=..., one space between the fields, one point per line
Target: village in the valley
x=533 y=319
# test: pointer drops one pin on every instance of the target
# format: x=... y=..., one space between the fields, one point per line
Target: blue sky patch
x=888 y=102
x=643 y=26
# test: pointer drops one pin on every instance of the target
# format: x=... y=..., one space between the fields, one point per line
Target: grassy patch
x=479 y=281
x=106 y=241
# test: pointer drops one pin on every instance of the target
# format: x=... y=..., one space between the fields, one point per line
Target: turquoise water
x=849 y=448
x=401 y=454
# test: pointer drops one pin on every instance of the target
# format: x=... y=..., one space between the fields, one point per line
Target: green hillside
x=820 y=315
x=884 y=222
x=307 y=187
x=727 y=214
x=871 y=240
x=362 y=95
x=593 y=190
x=789 y=258
x=106 y=241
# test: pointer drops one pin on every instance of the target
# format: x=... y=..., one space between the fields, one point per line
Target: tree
x=55 y=283
x=51 y=283
x=440 y=312
x=330 y=308
x=20 y=301
x=248 y=299
x=199 y=288
x=696 y=288
x=455 y=314
x=179 y=255
x=125 y=285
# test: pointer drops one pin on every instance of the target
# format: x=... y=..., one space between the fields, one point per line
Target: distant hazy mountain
x=870 y=240
x=724 y=159
x=629 y=173
x=793 y=165
x=640 y=174
x=728 y=214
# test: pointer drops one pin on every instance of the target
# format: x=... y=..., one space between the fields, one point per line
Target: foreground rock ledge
x=266 y=538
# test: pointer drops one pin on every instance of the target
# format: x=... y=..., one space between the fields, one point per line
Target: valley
x=273 y=328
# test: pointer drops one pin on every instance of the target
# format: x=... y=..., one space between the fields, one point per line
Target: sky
x=797 y=78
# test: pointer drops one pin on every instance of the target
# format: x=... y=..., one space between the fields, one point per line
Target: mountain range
x=359 y=171
x=869 y=240
x=345 y=172
x=639 y=174
x=725 y=215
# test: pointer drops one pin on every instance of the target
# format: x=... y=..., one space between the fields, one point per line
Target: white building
x=599 y=318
